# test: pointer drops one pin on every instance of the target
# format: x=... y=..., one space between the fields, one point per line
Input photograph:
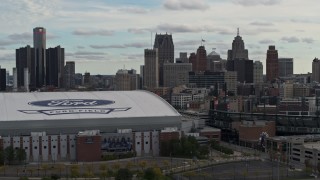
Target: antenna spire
x=238 y=32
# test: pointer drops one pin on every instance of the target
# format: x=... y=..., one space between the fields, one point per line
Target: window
x=147 y=142
x=138 y=142
x=89 y=140
x=25 y=147
x=44 y=147
x=35 y=147
x=54 y=147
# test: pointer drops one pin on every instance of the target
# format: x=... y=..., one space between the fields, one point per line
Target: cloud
x=8 y=57
x=266 y=41
x=107 y=46
x=82 y=32
x=172 y=28
x=134 y=10
x=308 y=40
x=81 y=47
x=257 y=52
x=133 y=56
x=253 y=46
x=257 y=2
x=291 y=39
x=23 y=36
x=139 y=31
x=91 y=57
x=187 y=42
x=185 y=5
x=257 y=23
x=130 y=45
x=6 y=42
x=88 y=53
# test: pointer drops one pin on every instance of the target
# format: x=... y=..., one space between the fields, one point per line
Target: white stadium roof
x=70 y=112
x=82 y=105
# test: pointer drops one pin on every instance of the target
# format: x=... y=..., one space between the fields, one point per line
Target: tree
x=142 y=164
x=20 y=155
x=89 y=172
x=165 y=164
x=124 y=174
x=129 y=165
x=45 y=167
x=152 y=173
x=103 y=171
x=75 y=172
x=9 y=154
x=116 y=166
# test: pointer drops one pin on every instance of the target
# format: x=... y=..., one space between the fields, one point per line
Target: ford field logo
x=74 y=106
x=71 y=103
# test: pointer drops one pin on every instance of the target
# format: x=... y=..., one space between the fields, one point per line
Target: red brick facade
x=89 y=148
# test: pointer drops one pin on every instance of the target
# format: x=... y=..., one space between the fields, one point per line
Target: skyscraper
x=25 y=59
x=316 y=70
x=272 y=63
x=164 y=44
x=285 y=67
x=244 y=69
x=55 y=66
x=3 y=78
x=201 y=59
x=238 y=60
x=238 y=50
x=126 y=80
x=176 y=74
x=257 y=72
x=151 y=68
x=69 y=75
x=183 y=58
x=215 y=63
x=39 y=45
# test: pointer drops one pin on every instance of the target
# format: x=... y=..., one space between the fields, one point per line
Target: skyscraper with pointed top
x=238 y=61
x=164 y=44
x=238 y=50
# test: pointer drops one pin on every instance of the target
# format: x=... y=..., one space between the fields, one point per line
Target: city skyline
x=105 y=36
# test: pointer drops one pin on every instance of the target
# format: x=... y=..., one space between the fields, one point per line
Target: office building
x=238 y=50
x=39 y=45
x=257 y=72
x=25 y=59
x=164 y=44
x=183 y=58
x=244 y=69
x=151 y=68
x=3 y=78
x=316 y=70
x=199 y=60
x=215 y=63
x=126 y=80
x=272 y=64
x=176 y=74
x=55 y=66
x=285 y=67
x=69 y=75
x=209 y=79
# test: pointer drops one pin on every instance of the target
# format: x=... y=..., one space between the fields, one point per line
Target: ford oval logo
x=71 y=103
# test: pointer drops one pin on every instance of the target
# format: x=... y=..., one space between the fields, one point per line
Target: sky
x=102 y=36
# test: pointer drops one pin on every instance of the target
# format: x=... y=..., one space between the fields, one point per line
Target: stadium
x=36 y=121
